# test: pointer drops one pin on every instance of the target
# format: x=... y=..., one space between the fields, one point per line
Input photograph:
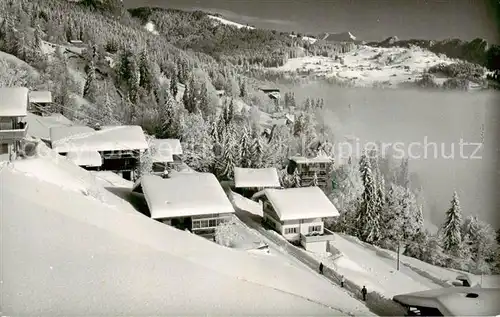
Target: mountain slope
x=368 y=66
x=477 y=51
x=337 y=37
x=87 y=254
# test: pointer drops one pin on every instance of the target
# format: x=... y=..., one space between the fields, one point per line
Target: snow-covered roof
x=256 y=177
x=85 y=158
x=165 y=148
x=301 y=203
x=115 y=138
x=305 y=160
x=72 y=256
x=184 y=195
x=40 y=96
x=39 y=126
x=452 y=301
x=65 y=132
x=275 y=95
x=13 y=101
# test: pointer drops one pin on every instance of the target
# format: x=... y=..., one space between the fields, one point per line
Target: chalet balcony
x=327 y=235
x=17 y=133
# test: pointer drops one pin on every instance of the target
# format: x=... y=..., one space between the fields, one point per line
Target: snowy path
x=366 y=265
x=302 y=258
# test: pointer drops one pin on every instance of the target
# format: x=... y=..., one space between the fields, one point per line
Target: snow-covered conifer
x=246 y=149
x=452 y=236
x=368 y=217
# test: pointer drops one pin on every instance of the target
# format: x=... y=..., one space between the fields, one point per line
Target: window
x=315 y=228
x=204 y=223
x=196 y=224
x=4 y=148
x=212 y=223
x=291 y=230
x=6 y=124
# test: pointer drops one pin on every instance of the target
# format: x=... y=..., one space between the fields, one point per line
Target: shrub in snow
x=226 y=234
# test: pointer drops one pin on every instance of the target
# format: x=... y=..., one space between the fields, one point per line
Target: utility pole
x=398 y=256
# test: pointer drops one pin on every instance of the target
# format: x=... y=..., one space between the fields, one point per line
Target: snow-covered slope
x=368 y=66
x=364 y=264
x=230 y=23
x=65 y=251
x=309 y=39
x=338 y=37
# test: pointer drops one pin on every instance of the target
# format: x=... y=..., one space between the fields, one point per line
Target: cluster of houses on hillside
x=186 y=200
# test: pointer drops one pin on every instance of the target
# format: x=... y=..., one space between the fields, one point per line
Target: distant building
x=40 y=102
x=78 y=43
x=13 y=110
x=120 y=147
x=451 y=301
x=308 y=167
x=187 y=201
x=273 y=94
x=248 y=181
x=298 y=214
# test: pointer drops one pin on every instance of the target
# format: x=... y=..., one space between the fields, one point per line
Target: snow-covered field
x=230 y=23
x=368 y=66
x=70 y=246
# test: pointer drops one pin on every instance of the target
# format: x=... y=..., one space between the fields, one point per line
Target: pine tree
x=186 y=99
x=20 y=45
x=229 y=112
x=37 y=41
x=173 y=85
x=197 y=143
x=297 y=181
x=169 y=123
x=243 y=89
x=257 y=153
x=133 y=83
x=204 y=104
x=246 y=150
x=145 y=75
x=452 y=236
x=404 y=173
x=105 y=109
x=90 y=90
x=190 y=97
x=368 y=218
x=227 y=161
x=392 y=217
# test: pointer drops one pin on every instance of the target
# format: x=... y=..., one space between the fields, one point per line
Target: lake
x=417 y=118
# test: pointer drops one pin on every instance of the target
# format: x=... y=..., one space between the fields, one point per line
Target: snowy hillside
x=230 y=23
x=376 y=268
x=92 y=253
x=338 y=37
x=368 y=66
x=309 y=39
